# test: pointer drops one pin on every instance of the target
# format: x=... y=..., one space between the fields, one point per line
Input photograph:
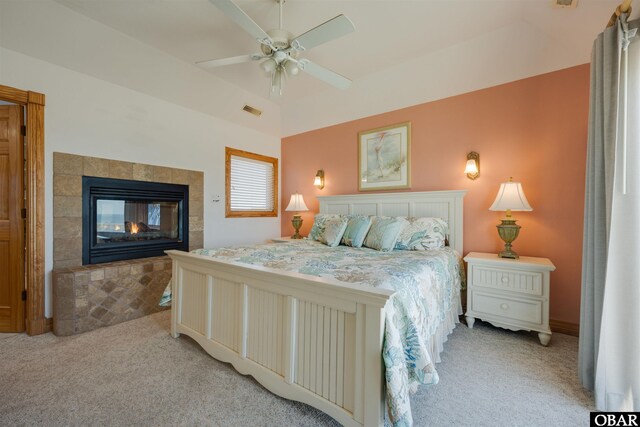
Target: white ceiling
x=403 y=53
x=387 y=32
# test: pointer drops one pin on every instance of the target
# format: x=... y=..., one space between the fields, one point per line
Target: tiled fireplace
x=86 y=297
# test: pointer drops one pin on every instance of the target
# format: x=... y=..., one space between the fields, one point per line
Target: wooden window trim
x=227 y=184
x=36 y=322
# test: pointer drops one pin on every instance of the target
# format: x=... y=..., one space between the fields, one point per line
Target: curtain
x=609 y=352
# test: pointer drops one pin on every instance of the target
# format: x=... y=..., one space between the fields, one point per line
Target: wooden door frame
x=36 y=322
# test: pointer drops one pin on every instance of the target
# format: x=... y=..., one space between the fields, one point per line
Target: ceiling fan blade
x=330 y=30
x=238 y=16
x=212 y=63
x=324 y=74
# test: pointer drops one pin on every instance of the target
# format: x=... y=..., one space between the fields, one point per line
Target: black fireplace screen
x=124 y=219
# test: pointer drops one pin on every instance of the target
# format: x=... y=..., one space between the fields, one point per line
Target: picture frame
x=384 y=158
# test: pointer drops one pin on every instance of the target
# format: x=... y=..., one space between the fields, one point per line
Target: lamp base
x=508 y=231
x=508 y=253
x=296 y=221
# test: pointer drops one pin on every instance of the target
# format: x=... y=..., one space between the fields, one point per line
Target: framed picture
x=384 y=161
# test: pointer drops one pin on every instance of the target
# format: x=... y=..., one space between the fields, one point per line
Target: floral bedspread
x=427 y=285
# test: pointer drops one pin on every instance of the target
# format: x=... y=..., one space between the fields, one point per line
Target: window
x=251 y=184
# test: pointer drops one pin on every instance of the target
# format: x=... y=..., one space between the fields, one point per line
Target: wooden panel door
x=11 y=222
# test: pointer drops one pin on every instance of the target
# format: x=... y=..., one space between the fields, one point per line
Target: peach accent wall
x=533 y=129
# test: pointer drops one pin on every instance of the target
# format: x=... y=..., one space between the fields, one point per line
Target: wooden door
x=11 y=222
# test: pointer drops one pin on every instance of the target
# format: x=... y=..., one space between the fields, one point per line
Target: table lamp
x=296 y=204
x=510 y=198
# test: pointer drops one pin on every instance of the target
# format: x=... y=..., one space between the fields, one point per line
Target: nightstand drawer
x=517 y=309
x=526 y=282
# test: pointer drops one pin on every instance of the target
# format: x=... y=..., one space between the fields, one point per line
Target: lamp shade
x=472 y=167
x=511 y=197
x=319 y=179
x=297 y=203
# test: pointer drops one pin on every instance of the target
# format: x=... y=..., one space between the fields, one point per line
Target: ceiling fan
x=281 y=50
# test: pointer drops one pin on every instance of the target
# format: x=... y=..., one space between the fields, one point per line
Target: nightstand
x=509 y=293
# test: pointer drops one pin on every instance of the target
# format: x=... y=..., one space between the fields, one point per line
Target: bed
x=308 y=336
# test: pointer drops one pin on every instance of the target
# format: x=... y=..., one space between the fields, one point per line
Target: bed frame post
x=290 y=344
x=175 y=298
x=369 y=376
x=374 y=379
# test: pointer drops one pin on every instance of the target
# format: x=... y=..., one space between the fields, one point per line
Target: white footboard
x=308 y=339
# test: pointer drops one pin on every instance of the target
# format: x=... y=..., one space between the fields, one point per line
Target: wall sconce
x=319 y=180
x=473 y=165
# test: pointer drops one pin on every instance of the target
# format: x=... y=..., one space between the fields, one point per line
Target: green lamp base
x=296 y=221
x=508 y=231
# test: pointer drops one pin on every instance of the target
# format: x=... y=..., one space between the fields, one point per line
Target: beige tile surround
x=93 y=296
x=68 y=170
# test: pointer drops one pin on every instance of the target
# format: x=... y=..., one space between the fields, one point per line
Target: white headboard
x=441 y=204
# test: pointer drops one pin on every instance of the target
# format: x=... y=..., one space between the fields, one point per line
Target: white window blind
x=251 y=185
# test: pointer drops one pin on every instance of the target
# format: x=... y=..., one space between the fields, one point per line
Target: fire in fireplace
x=124 y=219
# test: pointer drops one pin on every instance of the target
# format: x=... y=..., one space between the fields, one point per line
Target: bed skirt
x=451 y=319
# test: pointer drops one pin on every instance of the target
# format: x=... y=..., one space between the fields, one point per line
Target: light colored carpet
x=134 y=373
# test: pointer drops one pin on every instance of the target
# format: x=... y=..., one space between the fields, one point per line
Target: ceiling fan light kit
x=269 y=66
x=291 y=68
x=281 y=49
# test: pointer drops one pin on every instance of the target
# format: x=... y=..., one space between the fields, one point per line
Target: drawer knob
x=505 y=279
x=504 y=306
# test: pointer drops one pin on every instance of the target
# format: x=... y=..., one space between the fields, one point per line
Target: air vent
x=252 y=110
x=565 y=4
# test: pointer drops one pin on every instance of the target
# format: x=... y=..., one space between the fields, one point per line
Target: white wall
x=91 y=117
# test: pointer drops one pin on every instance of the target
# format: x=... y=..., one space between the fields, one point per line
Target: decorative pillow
x=356 y=231
x=437 y=231
x=318 y=225
x=333 y=231
x=423 y=234
x=412 y=234
x=384 y=232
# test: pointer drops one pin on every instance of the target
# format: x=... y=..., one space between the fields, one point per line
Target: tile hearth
x=93 y=296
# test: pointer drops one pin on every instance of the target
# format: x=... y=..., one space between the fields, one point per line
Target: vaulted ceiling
x=387 y=32
x=402 y=52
